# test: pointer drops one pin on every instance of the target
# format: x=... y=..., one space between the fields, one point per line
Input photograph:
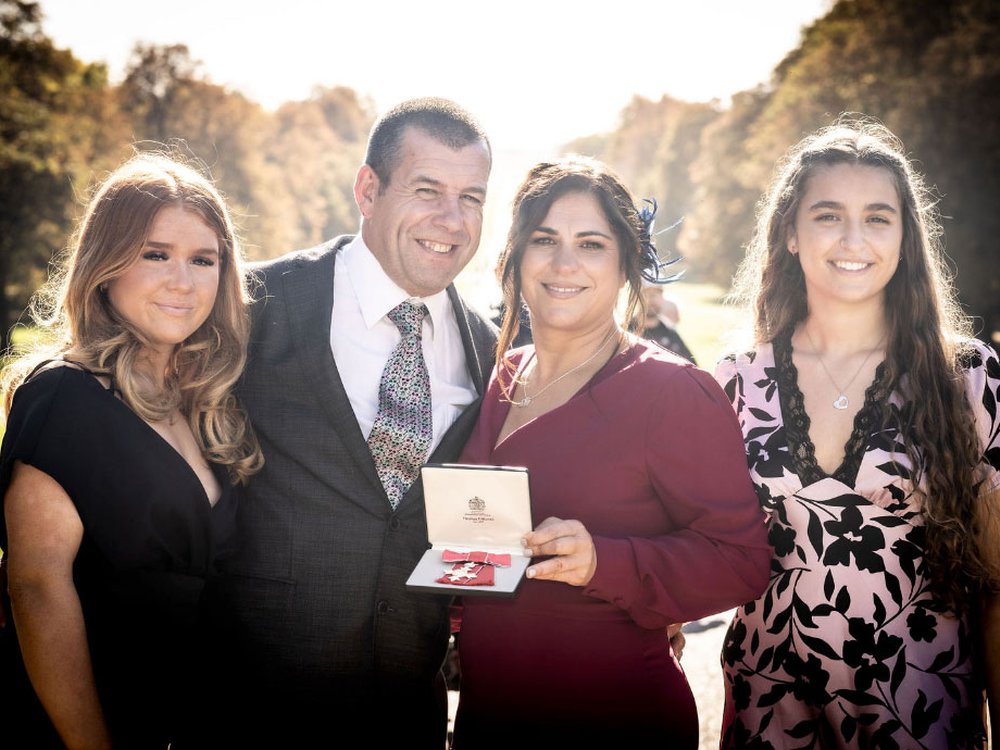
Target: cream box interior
x=474 y=508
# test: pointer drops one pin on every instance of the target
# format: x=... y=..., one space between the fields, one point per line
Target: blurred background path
x=701 y=665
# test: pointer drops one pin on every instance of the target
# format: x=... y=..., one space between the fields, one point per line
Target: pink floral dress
x=847 y=647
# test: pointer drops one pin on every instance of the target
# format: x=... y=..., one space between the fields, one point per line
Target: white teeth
x=565 y=289
x=850 y=265
x=436 y=247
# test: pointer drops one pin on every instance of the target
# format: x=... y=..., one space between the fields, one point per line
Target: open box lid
x=474 y=508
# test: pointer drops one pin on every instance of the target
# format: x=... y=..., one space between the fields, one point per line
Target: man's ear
x=366 y=188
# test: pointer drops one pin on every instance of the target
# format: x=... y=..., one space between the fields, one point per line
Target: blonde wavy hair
x=77 y=322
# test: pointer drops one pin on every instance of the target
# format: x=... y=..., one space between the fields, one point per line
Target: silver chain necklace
x=524 y=388
x=841 y=402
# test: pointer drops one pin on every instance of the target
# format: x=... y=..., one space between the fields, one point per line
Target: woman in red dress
x=643 y=509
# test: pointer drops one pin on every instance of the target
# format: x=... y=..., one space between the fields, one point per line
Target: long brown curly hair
x=928 y=338
x=76 y=319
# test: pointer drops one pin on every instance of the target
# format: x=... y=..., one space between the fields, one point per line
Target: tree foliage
x=652 y=150
x=288 y=175
x=929 y=70
x=56 y=124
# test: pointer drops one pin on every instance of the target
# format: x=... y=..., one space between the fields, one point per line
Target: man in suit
x=325 y=638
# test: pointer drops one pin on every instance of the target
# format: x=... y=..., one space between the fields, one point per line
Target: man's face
x=424 y=226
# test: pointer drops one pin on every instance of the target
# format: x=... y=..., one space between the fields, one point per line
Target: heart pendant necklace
x=841 y=402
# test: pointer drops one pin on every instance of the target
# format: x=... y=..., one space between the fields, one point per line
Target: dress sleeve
x=718 y=556
x=141 y=506
x=982 y=388
x=59 y=424
x=25 y=438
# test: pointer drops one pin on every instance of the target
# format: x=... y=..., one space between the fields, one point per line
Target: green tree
x=652 y=150
x=153 y=92
x=314 y=153
x=57 y=122
x=727 y=181
x=288 y=176
x=930 y=71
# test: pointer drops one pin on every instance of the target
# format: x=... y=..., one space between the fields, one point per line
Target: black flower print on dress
x=847 y=647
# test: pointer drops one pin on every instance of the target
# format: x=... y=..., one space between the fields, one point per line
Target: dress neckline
x=505 y=405
x=111 y=390
x=797 y=421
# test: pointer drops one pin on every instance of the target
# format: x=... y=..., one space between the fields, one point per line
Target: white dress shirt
x=362 y=338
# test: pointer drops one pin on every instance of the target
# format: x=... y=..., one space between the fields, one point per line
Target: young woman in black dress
x=123 y=444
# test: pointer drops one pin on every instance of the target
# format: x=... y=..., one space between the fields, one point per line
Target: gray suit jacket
x=314 y=607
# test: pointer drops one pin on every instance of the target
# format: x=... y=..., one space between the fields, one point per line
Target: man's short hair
x=441 y=119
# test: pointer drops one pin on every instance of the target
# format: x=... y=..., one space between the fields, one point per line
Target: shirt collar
x=377 y=294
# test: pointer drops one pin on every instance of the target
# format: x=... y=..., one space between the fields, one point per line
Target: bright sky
x=537 y=73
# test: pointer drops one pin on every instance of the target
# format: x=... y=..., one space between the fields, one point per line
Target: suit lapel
x=478 y=353
x=309 y=291
x=479 y=362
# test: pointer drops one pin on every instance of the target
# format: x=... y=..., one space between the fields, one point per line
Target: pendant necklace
x=841 y=402
x=528 y=399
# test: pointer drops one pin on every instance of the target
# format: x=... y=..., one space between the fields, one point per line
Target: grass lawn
x=706 y=324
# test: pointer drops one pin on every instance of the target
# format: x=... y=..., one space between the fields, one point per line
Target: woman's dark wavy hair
x=928 y=338
x=75 y=317
x=545 y=184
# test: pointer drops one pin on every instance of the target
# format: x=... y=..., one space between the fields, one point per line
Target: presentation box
x=480 y=511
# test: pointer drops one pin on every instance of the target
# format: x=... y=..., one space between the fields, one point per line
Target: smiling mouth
x=850 y=265
x=436 y=247
x=563 y=289
x=175 y=309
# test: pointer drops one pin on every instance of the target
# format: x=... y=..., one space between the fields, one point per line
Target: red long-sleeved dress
x=649 y=457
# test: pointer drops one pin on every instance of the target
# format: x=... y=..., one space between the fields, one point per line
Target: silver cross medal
x=465 y=572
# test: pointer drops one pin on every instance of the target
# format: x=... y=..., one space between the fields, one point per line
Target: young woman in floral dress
x=869 y=415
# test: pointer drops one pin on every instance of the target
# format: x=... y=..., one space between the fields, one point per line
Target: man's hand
x=677 y=639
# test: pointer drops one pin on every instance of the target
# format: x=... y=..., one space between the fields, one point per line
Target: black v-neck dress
x=151 y=539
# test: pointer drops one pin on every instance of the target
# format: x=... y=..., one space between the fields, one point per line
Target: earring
x=102 y=288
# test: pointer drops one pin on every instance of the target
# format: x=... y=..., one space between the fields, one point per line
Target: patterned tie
x=401 y=435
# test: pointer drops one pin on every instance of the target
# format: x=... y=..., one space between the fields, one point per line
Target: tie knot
x=408 y=316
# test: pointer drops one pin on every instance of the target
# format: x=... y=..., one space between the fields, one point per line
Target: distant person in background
x=870 y=420
x=123 y=444
x=523 y=336
x=661 y=319
x=644 y=513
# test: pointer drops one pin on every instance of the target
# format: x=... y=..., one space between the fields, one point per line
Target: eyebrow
x=822 y=205
x=423 y=179
x=586 y=233
x=167 y=246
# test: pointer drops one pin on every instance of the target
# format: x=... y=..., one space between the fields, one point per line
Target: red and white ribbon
x=487 y=558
